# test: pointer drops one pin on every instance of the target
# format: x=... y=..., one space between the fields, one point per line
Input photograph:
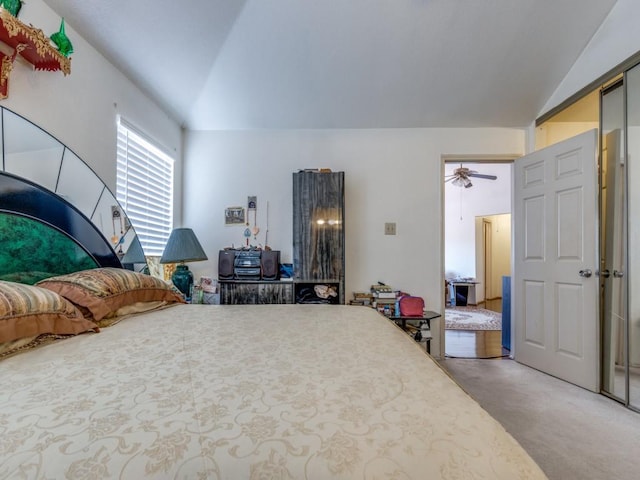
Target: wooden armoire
x=318 y=237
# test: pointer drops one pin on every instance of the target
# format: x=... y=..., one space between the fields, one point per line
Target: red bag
x=411 y=306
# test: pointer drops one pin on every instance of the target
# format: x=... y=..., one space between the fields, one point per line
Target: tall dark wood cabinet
x=318 y=237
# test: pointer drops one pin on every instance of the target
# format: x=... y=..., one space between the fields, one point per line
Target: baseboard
x=483 y=303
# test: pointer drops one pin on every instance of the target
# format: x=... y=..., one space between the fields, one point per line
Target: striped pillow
x=104 y=291
x=28 y=311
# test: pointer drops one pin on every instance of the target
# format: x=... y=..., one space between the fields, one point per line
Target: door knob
x=618 y=274
x=604 y=273
x=586 y=273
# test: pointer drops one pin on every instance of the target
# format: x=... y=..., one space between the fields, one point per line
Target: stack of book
x=362 y=298
x=384 y=298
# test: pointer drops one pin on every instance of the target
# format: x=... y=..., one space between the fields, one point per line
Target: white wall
x=391 y=175
x=80 y=109
x=463 y=205
x=617 y=39
x=554 y=132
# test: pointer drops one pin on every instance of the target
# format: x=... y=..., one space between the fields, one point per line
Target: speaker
x=226 y=259
x=270 y=263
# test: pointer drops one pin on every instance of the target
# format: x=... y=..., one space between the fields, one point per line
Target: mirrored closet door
x=632 y=80
x=613 y=302
x=620 y=238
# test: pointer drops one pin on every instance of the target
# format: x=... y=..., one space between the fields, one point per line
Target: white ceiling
x=294 y=64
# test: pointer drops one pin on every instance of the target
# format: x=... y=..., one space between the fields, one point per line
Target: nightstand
x=426 y=317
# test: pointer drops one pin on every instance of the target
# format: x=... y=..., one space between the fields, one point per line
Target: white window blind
x=145 y=187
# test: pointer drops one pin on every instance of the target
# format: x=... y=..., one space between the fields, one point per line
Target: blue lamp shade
x=134 y=254
x=183 y=246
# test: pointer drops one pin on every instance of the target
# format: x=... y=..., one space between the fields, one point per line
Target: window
x=145 y=187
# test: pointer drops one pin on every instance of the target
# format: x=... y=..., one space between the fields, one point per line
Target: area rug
x=472 y=318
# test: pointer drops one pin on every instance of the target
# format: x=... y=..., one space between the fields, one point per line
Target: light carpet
x=472 y=318
x=573 y=434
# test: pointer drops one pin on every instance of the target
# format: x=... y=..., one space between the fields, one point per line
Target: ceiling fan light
x=461 y=177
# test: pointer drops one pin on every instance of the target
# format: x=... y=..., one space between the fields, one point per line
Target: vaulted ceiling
x=299 y=64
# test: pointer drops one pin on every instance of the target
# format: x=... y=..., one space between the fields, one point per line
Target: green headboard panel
x=32 y=250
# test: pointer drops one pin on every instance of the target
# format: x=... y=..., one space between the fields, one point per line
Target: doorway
x=475 y=211
x=493 y=259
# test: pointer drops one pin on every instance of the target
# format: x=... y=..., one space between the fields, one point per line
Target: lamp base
x=182 y=278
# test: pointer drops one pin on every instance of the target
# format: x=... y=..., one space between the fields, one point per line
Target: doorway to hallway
x=476 y=214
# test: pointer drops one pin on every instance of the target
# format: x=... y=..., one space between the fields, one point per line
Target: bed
x=201 y=391
x=150 y=387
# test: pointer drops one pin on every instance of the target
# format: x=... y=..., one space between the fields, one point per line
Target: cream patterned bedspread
x=246 y=392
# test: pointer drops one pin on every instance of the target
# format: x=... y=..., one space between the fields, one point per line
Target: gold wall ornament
x=5 y=69
x=31 y=44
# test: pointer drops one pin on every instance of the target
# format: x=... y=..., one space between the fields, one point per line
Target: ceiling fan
x=461 y=177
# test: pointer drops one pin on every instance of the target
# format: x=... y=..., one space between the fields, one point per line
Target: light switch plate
x=390 y=228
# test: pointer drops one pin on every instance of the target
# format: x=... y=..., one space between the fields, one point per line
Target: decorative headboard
x=42 y=235
x=56 y=214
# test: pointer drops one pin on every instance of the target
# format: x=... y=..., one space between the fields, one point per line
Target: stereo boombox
x=248 y=264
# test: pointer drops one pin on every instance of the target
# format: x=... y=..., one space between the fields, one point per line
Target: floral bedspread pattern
x=246 y=392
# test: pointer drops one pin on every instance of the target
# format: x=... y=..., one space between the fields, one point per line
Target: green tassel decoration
x=11 y=6
x=62 y=41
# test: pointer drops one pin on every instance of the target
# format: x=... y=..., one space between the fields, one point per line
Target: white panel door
x=555 y=287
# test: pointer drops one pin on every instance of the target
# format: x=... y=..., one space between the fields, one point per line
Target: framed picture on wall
x=234 y=216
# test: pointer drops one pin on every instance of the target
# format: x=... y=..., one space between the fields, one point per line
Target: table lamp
x=134 y=255
x=183 y=246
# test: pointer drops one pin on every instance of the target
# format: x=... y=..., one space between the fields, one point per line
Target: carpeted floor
x=570 y=432
x=472 y=318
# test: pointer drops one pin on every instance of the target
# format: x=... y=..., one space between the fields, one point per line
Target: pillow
x=28 y=311
x=103 y=291
x=8 y=349
x=129 y=310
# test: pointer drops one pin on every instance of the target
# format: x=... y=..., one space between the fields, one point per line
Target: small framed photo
x=252 y=202
x=234 y=216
